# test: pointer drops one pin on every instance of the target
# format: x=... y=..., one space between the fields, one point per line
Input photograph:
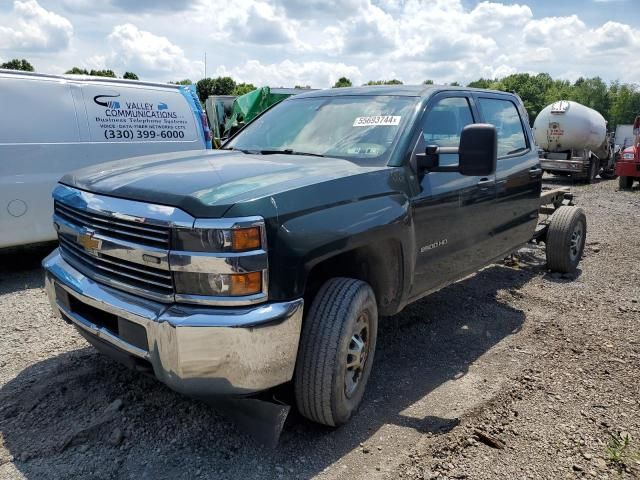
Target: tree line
x=618 y=102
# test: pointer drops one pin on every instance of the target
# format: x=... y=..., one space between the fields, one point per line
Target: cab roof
x=395 y=90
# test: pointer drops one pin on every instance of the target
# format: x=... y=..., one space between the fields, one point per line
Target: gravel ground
x=510 y=373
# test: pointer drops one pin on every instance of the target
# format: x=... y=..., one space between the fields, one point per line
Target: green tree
x=77 y=71
x=17 y=64
x=593 y=93
x=215 y=86
x=342 y=82
x=428 y=82
x=103 y=73
x=625 y=104
x=186 y=81
x=483 y=83
x=455 y=84
x=384 y=82
x=204 y=88
x=242 y=88
x=130 y=76
x=303 y=87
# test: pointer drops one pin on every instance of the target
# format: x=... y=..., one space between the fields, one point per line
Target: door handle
x=535 y=171
x=485 y=181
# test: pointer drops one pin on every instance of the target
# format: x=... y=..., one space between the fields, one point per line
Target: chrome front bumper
x=195 y=350
x=570 y=166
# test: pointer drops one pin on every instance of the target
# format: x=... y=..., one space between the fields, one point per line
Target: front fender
x=314 y=236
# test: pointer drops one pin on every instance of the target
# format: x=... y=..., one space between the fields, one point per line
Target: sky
x=314 y=42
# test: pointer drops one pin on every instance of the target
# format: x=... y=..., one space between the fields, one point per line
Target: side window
x=504 y=115
x=443 y=125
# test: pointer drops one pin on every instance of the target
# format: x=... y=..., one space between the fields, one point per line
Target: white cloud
x=490 y=17
x=29 y=27
x=288 y=42
x=262 y=26
x=288 y=73
x=141 y=51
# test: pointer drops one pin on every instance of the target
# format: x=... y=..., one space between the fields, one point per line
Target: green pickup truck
x=271 y=261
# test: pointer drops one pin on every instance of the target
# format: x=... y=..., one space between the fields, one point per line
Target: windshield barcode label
x=377 y=120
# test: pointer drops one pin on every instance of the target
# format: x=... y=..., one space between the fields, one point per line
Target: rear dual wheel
x=566 y=238
x=336 y=351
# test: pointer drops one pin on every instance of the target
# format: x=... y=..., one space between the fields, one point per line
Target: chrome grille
x=151 y=282
x=144 y=234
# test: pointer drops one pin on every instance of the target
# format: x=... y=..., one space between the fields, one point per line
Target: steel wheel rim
x=575 y=245
x=357 y=354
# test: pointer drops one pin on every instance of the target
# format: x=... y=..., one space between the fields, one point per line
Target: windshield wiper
x=289 y=151
x=240 y=150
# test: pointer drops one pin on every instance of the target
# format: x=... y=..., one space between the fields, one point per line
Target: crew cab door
x=518 y=172
x=451 y=211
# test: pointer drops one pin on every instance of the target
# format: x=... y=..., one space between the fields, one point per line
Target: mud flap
x=262 y=419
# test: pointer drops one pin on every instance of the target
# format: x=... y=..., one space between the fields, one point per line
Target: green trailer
x=227 y=113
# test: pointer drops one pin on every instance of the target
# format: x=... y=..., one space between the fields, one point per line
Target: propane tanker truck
x=574 y=141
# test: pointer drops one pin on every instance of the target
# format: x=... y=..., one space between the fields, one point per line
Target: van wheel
x=336 y=351
x=625 y=183
x=566 y=239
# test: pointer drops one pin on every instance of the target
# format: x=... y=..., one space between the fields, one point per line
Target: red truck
x=628 y=165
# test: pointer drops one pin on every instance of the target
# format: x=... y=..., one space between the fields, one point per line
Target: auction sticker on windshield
x=121 y=114
x=376 y=120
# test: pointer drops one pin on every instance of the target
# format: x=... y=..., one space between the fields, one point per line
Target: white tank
x=567 y=125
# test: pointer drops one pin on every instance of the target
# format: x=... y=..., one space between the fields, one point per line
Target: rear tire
x=594 y=168
x=336 y=351
x=625 y=183
x=566 y=238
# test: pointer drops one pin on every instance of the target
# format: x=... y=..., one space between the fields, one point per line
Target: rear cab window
x=504 y=115
x=443 y=123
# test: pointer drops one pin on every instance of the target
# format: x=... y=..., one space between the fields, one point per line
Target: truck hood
x=207 y=184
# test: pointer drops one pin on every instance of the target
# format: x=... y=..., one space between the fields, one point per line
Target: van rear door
x=39 y=132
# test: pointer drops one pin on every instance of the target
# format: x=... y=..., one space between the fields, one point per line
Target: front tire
x=336 y=351
x=594 y=168
x=566 y=238
x=625 y=183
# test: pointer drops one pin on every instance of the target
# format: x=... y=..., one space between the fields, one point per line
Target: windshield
x=351 y=127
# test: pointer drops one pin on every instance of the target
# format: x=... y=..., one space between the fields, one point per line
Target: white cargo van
x=50 y=125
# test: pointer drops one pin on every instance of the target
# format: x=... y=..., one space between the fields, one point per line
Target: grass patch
x=620 y=452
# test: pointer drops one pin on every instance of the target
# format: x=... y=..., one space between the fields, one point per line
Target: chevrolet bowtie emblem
x=87 y=240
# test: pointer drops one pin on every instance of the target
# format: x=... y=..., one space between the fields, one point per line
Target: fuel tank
x=567 y=125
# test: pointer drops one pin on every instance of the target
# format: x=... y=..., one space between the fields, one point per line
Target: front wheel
x=566 y=236
x=594 y=169
x=336 y=351
x=625 y=183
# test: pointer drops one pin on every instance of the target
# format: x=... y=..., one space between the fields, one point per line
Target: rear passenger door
x=518 y=172
x=451 y=211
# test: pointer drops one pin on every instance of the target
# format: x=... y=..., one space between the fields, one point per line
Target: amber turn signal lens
x=245 y=283
x=245 y=239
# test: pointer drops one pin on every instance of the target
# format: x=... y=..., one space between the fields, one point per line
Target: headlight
x=220 y=258
x=218 y=284
x=217 y=240
x=627 y=156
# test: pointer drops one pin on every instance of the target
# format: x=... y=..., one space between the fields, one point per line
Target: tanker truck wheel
x=566 y=237
x=625 y=183
x=336 y=351
x=594 y=169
